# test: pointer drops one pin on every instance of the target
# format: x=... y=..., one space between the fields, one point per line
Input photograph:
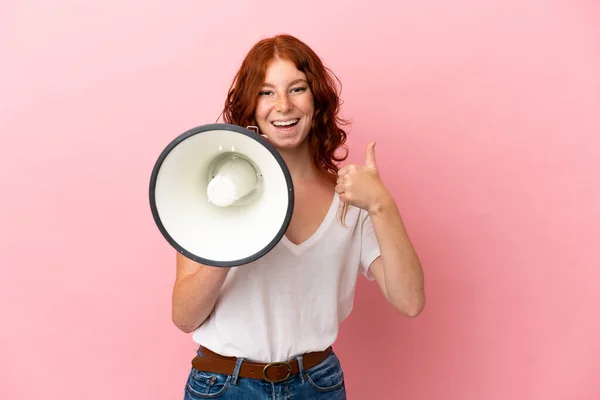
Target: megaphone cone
x=221 y=195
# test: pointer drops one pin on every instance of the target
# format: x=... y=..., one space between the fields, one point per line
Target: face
x=285 y=106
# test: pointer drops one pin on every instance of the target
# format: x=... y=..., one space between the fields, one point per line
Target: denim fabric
x=323 y=381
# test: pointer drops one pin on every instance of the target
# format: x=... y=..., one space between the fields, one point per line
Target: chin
x=286 y=140
x=288 y=143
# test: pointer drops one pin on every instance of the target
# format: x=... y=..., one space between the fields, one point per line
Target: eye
x=298 y=89
x=265 y=92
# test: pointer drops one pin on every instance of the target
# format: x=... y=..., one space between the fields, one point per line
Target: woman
x=265 y=330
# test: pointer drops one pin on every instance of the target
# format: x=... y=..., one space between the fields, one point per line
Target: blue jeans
x=323 y=381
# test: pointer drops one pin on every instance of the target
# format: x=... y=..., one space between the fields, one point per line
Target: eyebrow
x=290 y=84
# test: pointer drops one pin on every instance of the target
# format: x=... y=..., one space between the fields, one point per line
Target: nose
x=283 y=104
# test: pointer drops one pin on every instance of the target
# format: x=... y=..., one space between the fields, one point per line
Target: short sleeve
x=369 y=246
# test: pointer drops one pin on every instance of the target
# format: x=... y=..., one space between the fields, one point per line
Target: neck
x=300 y=164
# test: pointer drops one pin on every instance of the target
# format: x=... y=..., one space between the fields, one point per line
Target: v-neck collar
x=298 y=249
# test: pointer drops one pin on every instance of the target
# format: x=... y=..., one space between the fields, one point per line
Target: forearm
x=403 y=275
x=195 y=295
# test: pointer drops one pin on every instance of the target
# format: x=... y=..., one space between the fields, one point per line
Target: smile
x=289 y=122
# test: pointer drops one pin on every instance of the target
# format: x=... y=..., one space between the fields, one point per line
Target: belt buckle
x=274 y=364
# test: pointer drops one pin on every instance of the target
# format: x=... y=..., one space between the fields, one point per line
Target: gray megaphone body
x=221 y=195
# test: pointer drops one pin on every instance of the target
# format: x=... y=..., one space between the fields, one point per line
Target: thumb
x=370 y=159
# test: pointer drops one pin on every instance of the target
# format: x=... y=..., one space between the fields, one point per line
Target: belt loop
x=236 y=371
x=300 y=368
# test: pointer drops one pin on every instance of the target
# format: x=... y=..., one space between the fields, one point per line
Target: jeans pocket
x=326 y=376
x=206 y=385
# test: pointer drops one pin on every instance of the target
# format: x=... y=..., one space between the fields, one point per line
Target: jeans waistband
x=270 y=372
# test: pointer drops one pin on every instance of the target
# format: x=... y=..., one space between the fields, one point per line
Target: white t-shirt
x=292 y=300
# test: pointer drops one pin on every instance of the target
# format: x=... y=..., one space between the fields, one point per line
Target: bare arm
x=195 y=292
x=398 y=271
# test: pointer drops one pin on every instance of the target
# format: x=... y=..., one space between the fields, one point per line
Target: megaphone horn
x=221 y=195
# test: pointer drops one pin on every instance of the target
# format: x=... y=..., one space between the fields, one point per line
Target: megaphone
x=221 y=195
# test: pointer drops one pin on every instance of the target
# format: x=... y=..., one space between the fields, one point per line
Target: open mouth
x=285 y=124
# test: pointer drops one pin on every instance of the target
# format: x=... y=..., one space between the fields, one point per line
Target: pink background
x=487 y=117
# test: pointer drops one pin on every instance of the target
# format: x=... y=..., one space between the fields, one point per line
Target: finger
x=370 y=159
x=340 y=189
x=346 y=169
x=345 y=197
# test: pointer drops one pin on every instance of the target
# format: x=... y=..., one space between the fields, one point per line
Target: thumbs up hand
x=361 y=186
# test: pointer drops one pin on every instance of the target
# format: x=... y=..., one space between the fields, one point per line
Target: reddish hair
x=326 y=135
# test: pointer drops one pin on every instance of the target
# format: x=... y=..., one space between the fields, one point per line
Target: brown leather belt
x=271 y=372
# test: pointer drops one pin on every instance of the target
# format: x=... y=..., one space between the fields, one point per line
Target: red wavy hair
x=326 y=135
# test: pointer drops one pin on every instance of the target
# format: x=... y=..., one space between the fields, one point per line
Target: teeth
x=285 y=123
